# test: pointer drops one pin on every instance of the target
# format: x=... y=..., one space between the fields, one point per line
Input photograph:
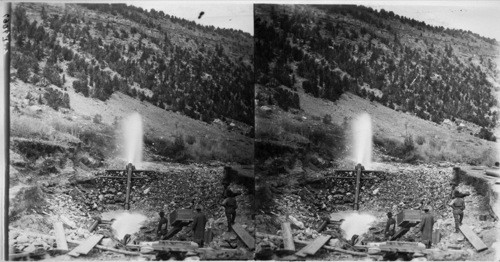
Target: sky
x=482 y=17
x=223 y=14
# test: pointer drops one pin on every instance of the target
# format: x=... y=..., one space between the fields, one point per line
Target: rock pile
x=169 y=190
x=410 y=188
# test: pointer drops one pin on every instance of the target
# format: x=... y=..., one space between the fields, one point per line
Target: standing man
x=163 y=221
x=199 y=222
x=426 y=226
x=390 y=226
x=230 y=206
x=458 y=205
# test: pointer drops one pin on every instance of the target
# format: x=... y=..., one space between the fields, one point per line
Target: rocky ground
x=401 y=187
x=167 y=187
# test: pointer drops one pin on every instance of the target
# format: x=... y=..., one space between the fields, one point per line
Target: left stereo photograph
x=131 y=131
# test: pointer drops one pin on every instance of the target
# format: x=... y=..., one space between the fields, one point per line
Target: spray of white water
x=132 y=138
x=125 y=222
x=356 y=224
x=362 y=140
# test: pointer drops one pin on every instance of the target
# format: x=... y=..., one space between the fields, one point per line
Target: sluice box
x=408 y=218
x=181 y=217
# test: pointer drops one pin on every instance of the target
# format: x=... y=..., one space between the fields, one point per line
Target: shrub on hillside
x=56 y=99
x=190 y=139
x=486 y=134
x=81 y=86
x=97 y=119
x=420 y=140
x=50 y=72
x=406 y=151
x=175 y=149
x=327 y=119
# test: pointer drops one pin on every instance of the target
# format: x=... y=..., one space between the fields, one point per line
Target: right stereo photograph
x=376 y=132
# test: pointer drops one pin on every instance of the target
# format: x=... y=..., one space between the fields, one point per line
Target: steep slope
x=431 y=72
x=202 y=72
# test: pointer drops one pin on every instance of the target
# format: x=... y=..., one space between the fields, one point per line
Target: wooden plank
x=172 y=232
x=476 y=242
x=85 y=247
x=313 y=247
x=302 y=242
x=19 y=255
x=61 y=242
x=79 y=243
x=286 y=232
x=244 y=236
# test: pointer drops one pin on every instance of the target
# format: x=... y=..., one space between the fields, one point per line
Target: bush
x=175 y=149
x=327 y=119
x=486 y=134
x=28 y=127
x=97 y=119
x=51 y=73
x=56 y=99
x=406 y=151
x=81 y=86
x=190 y=139
x=420 y=140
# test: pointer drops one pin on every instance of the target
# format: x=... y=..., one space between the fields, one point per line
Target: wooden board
x=61 y=242
x=313 y=247
x=286 y=232
x=173 y=231
x=87 y=245
x=476 y=242
x=244 y=236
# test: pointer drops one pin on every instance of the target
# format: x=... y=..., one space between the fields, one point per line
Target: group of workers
x=200 y=219
x=457 y=203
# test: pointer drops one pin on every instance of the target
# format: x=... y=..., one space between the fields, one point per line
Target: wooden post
x=286 y=232
x=358 y=184
x=94 y=225
x=129 y=185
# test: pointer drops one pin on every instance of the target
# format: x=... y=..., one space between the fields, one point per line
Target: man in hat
x=458 y=205
x=199 y=222
x=163 y=221
x=230 y=207
x=426 y=226
x=390 y=226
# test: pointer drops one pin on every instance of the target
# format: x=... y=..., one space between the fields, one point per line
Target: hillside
x=99 y=49
x=407 y=65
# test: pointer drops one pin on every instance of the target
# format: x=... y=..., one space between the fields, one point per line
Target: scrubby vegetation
x=402 y=63
x=191 y=73
x=429 y=149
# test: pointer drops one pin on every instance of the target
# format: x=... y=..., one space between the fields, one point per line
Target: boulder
x=30 y=248
x=22 y=239
x=108 y=242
